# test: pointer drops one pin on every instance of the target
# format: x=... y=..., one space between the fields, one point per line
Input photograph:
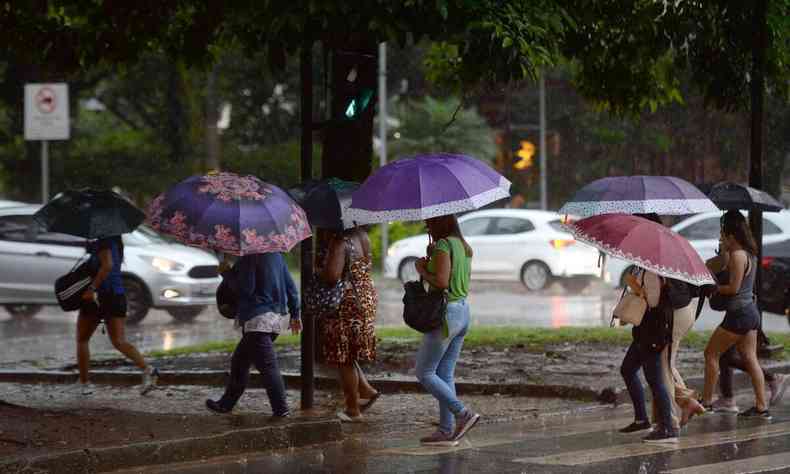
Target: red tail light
x=767 y=261
x=561 y=243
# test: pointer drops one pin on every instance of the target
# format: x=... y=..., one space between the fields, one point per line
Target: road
x=49 y=337
x=713 y=444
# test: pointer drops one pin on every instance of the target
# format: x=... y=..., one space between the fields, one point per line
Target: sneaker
x=725 y=405
x=661 y=436
x=464 y=422
x=215 y=407
x=778 y=387
x=636 y=426
x=150 y=377
x=439 y=438
x=753 y=412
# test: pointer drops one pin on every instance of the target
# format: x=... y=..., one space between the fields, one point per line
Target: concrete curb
x=180 y=450
x=219 y=377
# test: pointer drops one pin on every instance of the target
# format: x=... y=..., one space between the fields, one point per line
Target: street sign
x=47 y=111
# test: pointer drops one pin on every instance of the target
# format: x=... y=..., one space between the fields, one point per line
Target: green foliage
x=440 y=125
x=396 y=231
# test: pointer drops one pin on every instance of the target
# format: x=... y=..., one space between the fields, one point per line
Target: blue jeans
x=256 y=348
x=650 y=361
x=436 y=361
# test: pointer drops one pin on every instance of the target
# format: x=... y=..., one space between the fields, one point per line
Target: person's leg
x=629 y=369
x=349 y=380
x=86 y=326
x=239 y=373
x=727 y=361
x=116 y=329
x=747 y=348
x=651 y=364
x=668 y=381
x=720 y=341
x=363 y=387
x=446 y=368
x=265 y=359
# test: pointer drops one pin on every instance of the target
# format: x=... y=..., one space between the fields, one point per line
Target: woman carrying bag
x=447 y=268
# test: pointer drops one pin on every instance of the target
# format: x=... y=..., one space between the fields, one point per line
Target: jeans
x=256 y=348
x=436 y=361
x=729 y=360
x=650 y=361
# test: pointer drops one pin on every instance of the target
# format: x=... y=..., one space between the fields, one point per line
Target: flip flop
x=343 y=416
x=369 y=403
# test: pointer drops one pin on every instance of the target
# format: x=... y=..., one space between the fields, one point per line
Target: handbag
x=424 y=310
x=228 y=294
x=322 y=299
x=70 y=287
x=631 y=308
x=717 y=301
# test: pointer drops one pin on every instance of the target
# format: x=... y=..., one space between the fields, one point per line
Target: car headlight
x=164 y=265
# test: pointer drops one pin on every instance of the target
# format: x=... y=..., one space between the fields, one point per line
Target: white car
x=157 y=272
x=702 y=231
x=509 y=244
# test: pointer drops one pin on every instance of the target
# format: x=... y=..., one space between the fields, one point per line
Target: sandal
x=365 y=406
x=343 y=416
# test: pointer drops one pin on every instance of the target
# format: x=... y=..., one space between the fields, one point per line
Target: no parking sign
x=47 y=111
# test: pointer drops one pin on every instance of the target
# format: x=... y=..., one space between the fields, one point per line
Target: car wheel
x=575 y=284
x=407 y=271
x=535 y=276
x=185 y=314
x=626 y=272
x=137 y=301
x=23 y=311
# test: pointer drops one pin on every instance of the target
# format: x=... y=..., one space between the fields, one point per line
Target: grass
x=493 y=337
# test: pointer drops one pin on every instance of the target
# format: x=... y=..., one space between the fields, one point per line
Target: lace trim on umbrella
x=659 y=206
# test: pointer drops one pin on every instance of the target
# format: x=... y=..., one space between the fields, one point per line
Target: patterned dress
x=349 y=334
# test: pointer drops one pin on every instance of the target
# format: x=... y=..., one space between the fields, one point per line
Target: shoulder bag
x=322 y=299
x=70 y=287
x=631 y=308
x=425 y=310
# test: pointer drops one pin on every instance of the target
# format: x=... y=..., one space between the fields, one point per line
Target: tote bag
x=631 y=308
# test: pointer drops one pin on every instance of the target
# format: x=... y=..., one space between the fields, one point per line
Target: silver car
x=157 y=272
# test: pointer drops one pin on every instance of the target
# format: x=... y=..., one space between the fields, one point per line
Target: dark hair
x=733 y=223
x=446 y=226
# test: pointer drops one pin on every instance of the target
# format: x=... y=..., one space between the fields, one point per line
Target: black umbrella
x=729 y=195
x=325 y=202
x=90 y=213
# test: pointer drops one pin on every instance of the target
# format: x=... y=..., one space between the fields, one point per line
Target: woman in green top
x=447 y=267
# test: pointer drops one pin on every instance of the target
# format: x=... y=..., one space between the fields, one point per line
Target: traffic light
x=525 y=156
x=359 y=85
x=357 y=104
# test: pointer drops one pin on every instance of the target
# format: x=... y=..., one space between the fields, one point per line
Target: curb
x=180 y=450
x=294 y=381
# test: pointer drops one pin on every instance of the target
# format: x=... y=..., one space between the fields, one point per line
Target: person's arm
x=105 y=267
x=245 y=277
x=442 y=263
x=294 y=308
x=652 y=288
x=335 y=262
x=737 y=268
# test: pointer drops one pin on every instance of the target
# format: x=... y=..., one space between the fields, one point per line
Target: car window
x=477 y=226
x=557 y=225
x=17 y=228
x=769 y=228
x=511 y=225
x=702 y=230
x=55 y=238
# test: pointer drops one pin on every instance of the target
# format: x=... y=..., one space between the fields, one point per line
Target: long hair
x=447 y=226
x=733 y=223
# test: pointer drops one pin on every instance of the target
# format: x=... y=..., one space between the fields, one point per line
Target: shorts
x=741 y=320
x=110 y=305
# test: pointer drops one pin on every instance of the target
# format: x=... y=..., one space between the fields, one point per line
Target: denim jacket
x=264 y=285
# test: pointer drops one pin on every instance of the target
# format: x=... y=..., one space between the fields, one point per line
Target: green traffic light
x=359 y=103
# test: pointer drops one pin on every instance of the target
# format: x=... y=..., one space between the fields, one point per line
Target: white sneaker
x=778 y=388
x=150 y=377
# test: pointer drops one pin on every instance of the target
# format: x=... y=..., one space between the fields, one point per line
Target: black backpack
x=70 y=287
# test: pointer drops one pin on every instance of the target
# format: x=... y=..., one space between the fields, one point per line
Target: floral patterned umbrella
x=225 y=212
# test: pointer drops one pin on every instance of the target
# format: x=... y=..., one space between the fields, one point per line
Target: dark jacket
x=264 y=285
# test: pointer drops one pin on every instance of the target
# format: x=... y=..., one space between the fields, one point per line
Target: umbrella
x=228 y=213
x=729 y=195
x=644 y=243
x=664 y=195
x=426 y=186
x=89 y=213
x=326 y=202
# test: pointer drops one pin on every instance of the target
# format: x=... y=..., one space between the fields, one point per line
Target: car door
x=703 y=236
x=24 y=272
x=59 y=253
x=503 y=240
x=475 y=231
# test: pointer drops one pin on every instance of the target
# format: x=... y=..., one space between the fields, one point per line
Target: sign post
x=46 y=118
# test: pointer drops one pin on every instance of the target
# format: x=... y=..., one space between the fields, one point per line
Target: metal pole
x=44 y=171
x=383 y=138
x=306 y=247
x=543 y=173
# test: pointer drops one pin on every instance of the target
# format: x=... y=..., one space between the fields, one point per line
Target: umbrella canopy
x=645 y=244
x=426 y=186
x=729 y=195
x=225 y=212
x=326 y=202
x=665 y=195
x=90 y=213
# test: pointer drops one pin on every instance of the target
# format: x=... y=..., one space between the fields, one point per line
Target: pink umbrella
x=644 y=243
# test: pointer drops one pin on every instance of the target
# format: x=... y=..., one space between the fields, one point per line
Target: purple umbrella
x=664 y=195
x=426 y=186
x=225 y=212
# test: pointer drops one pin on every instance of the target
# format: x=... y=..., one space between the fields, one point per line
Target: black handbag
x=228 y=294
x=70 y=287
x=424 y=310
x=321 y=299
x=717 y=301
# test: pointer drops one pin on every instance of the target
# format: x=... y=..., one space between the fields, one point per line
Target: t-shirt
x=114 y=282
x=461 y=269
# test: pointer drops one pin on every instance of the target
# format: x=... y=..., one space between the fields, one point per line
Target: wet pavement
x=714 y=443
x=48 y=339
